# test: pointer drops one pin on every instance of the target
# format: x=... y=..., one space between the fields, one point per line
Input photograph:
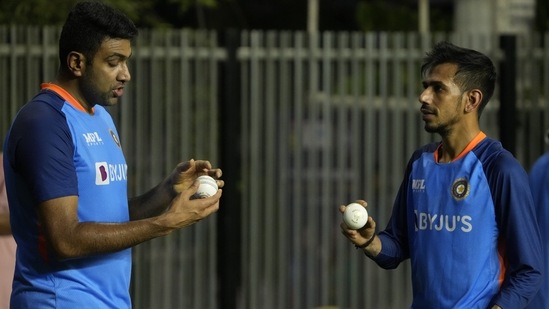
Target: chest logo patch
x=115 y=138
x=101 y=173
x=92 y=139
x=460 y=189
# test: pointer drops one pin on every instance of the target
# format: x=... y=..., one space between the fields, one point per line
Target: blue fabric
x=539 y=182
x=54 y=150
x=455 y=220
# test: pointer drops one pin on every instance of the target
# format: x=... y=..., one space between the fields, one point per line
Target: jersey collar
x=480 y=136
x=65 y=95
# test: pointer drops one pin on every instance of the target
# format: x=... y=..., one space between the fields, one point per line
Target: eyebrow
x=427 y=83
x=117 y=55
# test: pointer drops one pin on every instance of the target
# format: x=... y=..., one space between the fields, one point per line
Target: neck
x=70 y=85
x=454 y=148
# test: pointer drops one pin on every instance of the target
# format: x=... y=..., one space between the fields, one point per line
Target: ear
x=474 y=97
x=76 y=62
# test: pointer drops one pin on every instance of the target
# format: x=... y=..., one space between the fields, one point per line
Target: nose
x=124 y=74
x=423 y=96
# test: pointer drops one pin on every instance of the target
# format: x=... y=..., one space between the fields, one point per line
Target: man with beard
x=66 y=176
x=464 y=214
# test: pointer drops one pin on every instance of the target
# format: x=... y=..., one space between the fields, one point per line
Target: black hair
x=474 y=69
x=88 y=25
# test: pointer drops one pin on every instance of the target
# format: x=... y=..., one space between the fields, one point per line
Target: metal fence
x=300 y=124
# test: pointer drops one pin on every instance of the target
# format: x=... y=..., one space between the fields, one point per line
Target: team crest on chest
x=460 y=189
x=115 y=138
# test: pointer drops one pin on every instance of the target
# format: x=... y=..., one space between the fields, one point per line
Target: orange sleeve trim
x=480 y=136
x=65 y=95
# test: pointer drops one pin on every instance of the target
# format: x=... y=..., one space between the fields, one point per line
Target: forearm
x=373 y=248
x=71 y=238
x=385 y=251
x=152 y=203
x=90 y=238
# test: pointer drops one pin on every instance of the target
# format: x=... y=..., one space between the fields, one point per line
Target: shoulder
x=500 y=166
x=418 y=154
x=492 y=155
x=428 y=148
x=431 y=147
x=46 y=99
x=44 y=109
x=39 y=118
x=541 y=162
x=39 y=125
x=538 y=172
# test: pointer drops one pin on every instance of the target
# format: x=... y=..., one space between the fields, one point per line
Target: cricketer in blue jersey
x=464 y=214
x=66 y=177
x=539 y=183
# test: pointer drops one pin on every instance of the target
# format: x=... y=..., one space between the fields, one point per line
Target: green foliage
x=370 y=15
x=145 y=13
x=383 y=16
x=34 y=12
x=185 y=5
x=379 y=15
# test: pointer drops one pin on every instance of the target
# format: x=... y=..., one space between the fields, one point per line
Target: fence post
x=508 y=121
x=228 y=229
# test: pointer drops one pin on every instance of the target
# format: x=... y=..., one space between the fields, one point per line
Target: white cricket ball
x=355 y=216
x=207 y=187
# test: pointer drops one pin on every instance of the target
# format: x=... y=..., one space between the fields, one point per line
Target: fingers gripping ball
x=355 y=216
x=207 y=187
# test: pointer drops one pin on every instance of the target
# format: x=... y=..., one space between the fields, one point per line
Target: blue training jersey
x=468 y=228
x=539 y=182
x=53 y=149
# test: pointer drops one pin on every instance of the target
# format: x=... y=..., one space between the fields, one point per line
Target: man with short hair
x=464 y=214
x=66 y=176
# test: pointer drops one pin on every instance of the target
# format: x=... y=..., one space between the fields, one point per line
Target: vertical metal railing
x=323 y=119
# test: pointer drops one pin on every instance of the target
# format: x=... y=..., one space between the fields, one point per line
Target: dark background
x=334 y=15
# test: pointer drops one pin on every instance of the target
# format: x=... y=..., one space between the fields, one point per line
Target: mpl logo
x=418 y=184
x=92 y=138
x=101 y=173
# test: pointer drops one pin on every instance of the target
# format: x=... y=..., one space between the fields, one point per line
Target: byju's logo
x=441 y=222
x=101 y=173
x=106 y=173
x=92 y=138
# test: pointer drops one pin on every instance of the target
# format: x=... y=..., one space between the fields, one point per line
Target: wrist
x=367 y=243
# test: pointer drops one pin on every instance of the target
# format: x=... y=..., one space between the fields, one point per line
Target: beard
x=93 y=95
x=444 y=128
